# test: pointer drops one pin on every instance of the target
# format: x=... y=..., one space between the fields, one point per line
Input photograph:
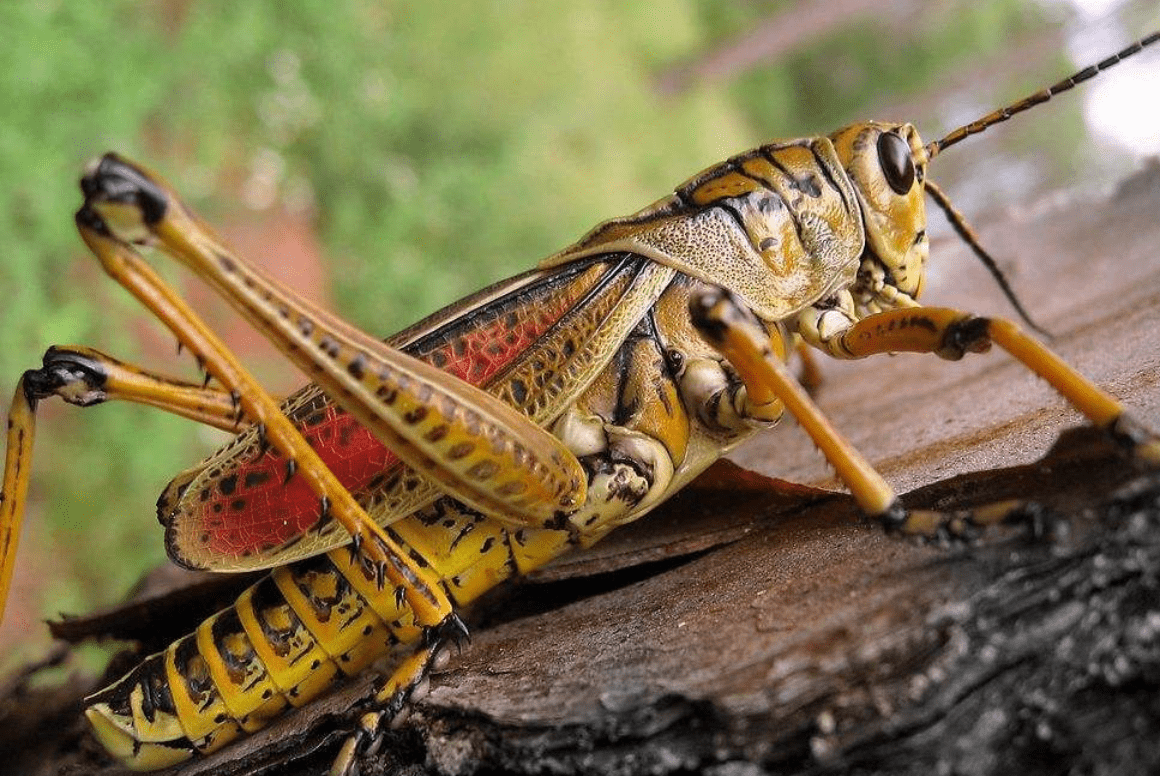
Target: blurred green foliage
x=853 y=71
x=438 y=150
x=438 y=147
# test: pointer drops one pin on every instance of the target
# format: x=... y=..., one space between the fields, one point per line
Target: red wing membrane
x=239 y=503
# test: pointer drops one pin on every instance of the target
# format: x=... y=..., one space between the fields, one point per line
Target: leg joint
x=115 y=180
x=66 y=373
x=970 y=334
x=893 y=519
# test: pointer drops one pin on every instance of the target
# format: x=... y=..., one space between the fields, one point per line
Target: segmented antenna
x=970 y=238
x=1002 y=114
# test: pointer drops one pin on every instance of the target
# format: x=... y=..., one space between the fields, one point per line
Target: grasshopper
x=525 y=421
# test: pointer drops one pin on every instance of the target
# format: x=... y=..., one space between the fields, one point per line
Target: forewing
x=536 y=341
x=778 y=225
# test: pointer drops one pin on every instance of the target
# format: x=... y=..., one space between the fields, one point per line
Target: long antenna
x=970 y=238
x=1043 y=95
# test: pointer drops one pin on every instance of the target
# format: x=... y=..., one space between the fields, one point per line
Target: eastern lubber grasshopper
x=582 y=394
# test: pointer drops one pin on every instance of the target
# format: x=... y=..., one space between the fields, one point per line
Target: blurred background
x=388 y=157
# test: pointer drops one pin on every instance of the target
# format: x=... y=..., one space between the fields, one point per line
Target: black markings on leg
x=1037 y=521
x=357 y=366
x=263 y=439
x=115 y=180
x=356 y=542
x=965 y=527
x=450 y=630
x=87 y=218
x=329 y=347
x=75 y=378
x=325 y=517
x=370 y=726
x=968 y=335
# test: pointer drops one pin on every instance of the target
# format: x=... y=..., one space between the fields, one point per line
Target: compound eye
x=897 y=166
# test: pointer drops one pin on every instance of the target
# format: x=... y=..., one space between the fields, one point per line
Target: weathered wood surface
x=794 y=639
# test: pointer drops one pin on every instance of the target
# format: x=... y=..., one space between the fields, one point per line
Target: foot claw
x=1037 y=521
x=1143 y=445
x=450 y=630
x=952 y=530
x=71 y=376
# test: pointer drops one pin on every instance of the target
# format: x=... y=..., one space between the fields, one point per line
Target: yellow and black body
x=530 y=419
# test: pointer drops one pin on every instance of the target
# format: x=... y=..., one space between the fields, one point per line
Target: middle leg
x=738 y=336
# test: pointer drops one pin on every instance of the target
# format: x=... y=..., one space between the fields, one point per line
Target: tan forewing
x=535 y=341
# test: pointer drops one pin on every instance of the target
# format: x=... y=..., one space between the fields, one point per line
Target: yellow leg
x=739 y=337
x=951 y=334
x=479 y=449
x=389 y=700
x=734 y=332
x=810 y=374
x=17 y=465
x=121 y=262
x=85 y=376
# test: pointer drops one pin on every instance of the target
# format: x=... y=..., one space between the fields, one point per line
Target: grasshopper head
x=887 y=165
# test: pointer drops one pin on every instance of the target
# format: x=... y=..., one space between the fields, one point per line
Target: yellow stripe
x=217 y=667
x=311 y=670
x=195 y=721
x=382 y=601
x=250 y=706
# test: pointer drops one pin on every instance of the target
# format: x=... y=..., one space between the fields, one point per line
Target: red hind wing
x=238 y=509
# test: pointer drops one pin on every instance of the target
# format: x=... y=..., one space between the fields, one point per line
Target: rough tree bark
x=736 y=633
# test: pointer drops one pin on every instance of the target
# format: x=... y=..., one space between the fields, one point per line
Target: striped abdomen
x=291 y=636
x=287 y=639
